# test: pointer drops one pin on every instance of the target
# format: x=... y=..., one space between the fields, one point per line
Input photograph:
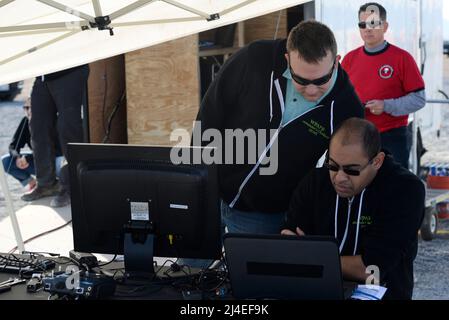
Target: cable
x=41 y=234
x=105 y=264
x=111 y=117
x=105 y=78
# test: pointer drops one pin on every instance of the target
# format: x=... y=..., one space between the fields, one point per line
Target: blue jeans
x=236 y=221
x=24 y=175
x=398 y=142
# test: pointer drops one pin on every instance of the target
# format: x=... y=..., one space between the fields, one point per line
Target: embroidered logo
x=386 y=71
x=316 y=129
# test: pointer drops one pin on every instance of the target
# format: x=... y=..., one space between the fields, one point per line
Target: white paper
x=368 y=292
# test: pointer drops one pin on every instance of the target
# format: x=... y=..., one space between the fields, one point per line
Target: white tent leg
x=10 y=209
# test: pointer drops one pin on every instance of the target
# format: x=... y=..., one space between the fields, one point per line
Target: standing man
x=387 y=80
x=294 y=87
x=57 y=101
x=369 y=203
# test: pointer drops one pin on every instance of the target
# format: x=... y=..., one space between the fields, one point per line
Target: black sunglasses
x=317 y=82
x=26 y=107
x=348 y=171
x=370 y=25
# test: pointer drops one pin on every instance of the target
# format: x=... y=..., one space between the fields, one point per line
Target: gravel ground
x=431 y=264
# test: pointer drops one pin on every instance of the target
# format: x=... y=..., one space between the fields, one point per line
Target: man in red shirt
x=387 y=81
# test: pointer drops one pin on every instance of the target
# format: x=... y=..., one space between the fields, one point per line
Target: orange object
x=443 y=210
x=438 y=182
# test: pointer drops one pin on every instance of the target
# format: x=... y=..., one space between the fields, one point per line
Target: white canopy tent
x=43 y=36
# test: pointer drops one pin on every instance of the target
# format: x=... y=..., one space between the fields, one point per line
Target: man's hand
x=376 y=106
x=287 y=232
x=22 y=163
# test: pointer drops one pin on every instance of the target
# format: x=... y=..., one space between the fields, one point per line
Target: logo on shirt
x=386 y=71
x=364 y=221
x=316 y=129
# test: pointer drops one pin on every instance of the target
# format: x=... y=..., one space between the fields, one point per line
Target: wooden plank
x=162 y=90
x=105 y=87
x=264 y=27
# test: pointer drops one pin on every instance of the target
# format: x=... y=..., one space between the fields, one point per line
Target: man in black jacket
x=288 y=95
x=371 y=204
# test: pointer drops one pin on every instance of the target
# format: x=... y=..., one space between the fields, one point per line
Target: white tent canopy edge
x=43 y=36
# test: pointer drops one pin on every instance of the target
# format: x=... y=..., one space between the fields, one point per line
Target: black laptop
x=284 y=267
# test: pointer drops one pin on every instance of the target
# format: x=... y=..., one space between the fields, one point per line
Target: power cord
x=41 y=235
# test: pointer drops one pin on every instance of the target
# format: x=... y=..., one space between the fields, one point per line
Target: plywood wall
x=162 y=90
x=264 y=27
x=105 y=86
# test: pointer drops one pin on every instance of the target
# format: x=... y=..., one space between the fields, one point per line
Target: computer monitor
x=134 y=200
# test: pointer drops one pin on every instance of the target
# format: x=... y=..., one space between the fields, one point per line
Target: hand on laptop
x=287 y=232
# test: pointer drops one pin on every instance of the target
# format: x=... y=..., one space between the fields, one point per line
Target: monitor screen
x=112 y=185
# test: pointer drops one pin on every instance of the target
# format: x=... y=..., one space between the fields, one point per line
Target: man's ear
x=386 y=25
x=338 y=58
x=379 y=160
x=286 y=57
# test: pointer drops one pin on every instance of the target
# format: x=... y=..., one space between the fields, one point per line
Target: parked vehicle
x=446 y=47
x=10 y=91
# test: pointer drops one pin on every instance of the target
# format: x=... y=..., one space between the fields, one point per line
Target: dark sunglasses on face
x=26 y=107
x=317 y=82
x=370 y=25
x=346 y=170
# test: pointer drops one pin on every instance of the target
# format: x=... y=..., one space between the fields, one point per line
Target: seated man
x=20 y=164
x=372 y=205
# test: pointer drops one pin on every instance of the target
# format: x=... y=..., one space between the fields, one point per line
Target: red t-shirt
x=389 y=74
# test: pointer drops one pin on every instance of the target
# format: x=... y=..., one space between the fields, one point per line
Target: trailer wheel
x=429 y=226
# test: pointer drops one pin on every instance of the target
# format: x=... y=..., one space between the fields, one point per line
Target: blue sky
x=446 y=19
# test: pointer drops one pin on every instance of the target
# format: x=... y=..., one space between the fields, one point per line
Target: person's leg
x=68 y=92
x=396 y=142
x=237 y=221
x=42 y=127
x=58 y=164
x=22 y=175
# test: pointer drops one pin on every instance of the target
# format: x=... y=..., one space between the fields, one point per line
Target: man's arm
x=407 y=104
x=299 y=216
x=353 y=268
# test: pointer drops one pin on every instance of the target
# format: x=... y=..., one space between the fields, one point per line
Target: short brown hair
x=313 y=40
x=382 y=12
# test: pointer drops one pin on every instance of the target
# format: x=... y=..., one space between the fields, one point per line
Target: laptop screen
x=283 y=267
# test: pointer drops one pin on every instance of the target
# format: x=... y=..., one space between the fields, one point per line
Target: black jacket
x=390 y=216
x=22 y=137
x=239 y=98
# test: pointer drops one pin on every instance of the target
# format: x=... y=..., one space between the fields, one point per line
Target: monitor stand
x=138 y=248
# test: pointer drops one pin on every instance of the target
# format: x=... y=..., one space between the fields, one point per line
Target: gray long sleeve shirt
x=407 y=104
